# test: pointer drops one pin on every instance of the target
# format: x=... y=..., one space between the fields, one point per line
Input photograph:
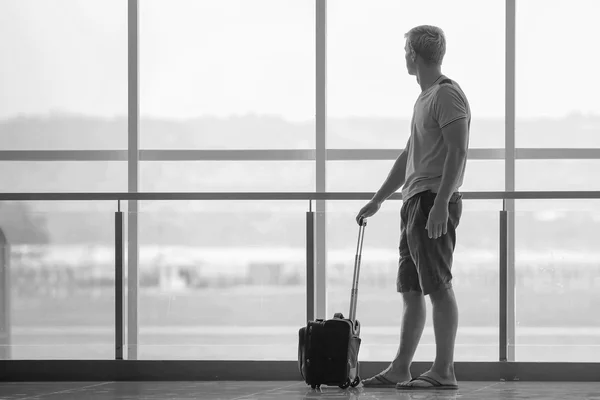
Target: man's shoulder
x=449 y=90
x=448 y=85
x=446 y=81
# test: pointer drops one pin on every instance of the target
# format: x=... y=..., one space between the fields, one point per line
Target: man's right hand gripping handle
x=368 y=210
x=394 y=181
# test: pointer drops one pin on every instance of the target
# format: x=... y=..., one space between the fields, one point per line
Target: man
x=430 y=171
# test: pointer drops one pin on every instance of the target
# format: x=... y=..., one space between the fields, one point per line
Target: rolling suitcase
x=328 y=349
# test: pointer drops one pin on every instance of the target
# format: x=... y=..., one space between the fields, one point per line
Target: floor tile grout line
x=64 y=391
x=266 y=391
x=486 y=387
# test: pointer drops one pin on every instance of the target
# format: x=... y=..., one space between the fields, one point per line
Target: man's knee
x=442 y=293
x=413 y=297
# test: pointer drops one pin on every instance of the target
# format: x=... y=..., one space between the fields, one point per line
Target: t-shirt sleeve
x=448 y=106
x=407 y=147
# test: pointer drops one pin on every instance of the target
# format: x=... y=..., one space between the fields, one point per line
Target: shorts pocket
x=455 y=212
x=425 y=203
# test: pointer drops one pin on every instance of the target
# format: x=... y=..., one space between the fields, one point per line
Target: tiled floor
x=287 y=391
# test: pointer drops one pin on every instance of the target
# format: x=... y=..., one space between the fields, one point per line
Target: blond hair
x=429 y=42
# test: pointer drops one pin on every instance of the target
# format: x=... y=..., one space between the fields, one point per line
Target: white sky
x=232 y=57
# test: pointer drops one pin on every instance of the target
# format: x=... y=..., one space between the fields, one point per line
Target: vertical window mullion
x=510 y=172
x=132 y=177
x=321 y=158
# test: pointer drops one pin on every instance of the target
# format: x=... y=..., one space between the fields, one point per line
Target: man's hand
x=437 y=223
x=369 y=210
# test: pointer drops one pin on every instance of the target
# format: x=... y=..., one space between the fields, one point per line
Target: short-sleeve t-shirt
x=435 y=108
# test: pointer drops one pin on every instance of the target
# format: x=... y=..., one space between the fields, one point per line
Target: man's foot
x=387 y=378
x=430 y=380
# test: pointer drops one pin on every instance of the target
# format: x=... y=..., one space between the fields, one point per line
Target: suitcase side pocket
x=302 y=351
x=353 y=349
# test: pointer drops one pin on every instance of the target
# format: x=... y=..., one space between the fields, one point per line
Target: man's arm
x=395 y=179
x=456 y=138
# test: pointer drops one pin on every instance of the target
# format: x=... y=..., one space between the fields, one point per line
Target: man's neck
x=426 y=77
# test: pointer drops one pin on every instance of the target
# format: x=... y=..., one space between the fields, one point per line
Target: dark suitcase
x=328 y=349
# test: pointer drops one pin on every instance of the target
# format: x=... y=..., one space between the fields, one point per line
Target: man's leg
x=445 y=324
x=434 y=263
x=413 y=318
x=413 y=322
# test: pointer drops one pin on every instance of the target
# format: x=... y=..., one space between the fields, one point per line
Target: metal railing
x=506 y=274
x=144 y=196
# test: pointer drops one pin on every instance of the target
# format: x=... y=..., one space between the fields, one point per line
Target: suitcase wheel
x=315 y=386
x=355 y=382
x=346 y=384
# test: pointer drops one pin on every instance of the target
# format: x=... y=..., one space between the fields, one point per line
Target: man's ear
x=413 y=53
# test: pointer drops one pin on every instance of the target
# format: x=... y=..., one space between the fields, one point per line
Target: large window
x=64 y=87
x=63 y=74
x=370 y=96
x=226 y=279
x=555 y=241
x=224 y=75
x=231 y=74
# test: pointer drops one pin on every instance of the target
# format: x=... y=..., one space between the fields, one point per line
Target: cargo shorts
x=425 y=264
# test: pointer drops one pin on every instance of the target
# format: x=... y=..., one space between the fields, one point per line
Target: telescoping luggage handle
x=353 y=297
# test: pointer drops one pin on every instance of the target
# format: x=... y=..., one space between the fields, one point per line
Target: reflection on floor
x=288 y=391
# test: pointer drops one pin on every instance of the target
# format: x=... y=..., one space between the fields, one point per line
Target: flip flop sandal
x=378 y=381
x=435 y=385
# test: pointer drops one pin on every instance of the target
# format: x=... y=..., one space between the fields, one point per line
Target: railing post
x=119 y=257
x=310 y=264
x=503 y=289
x=4 y=297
